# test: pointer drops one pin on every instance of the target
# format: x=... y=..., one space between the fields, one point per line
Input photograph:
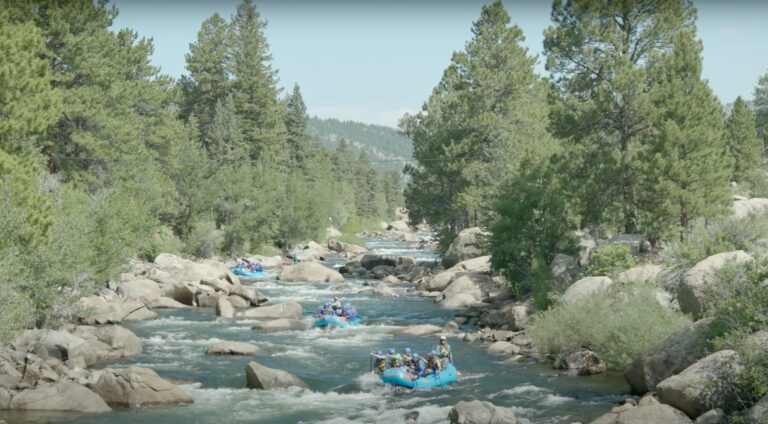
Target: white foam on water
x=519 y=390
x=552 y=400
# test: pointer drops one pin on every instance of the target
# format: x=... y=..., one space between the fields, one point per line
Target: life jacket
x=381 y=364
x=443 y=351
x=395 y=361
x=433 y=363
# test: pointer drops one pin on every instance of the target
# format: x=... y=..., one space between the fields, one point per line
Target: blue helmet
x=415 y=355
x=392 y=351
x=407 y=350
x=327 y=304
x=378 y=352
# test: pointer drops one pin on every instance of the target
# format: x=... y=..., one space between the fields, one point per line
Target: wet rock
x=224 y=308
x=281 y=310
x=419 y=330
x=372 y=260
x=671 y=356
x=503 y=348
x=5 y=399
x=480 y=412
x=260 y=377
x=411 y=417
x=581 y=362
x=184 y=293
x=135 y=387
x=309 y=272
x=235 y=348
x=248 y=293
x=63 y=396
x=585 y=288
x=391 y=280
x=467 y=245
x=282 y=324
x=218 y=284
x=690 y=294
x=382 y=271
x=702 y=386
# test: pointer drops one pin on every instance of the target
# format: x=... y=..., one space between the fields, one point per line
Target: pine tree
x=744 y=146
x=598 y=54
x=760 y=103
x=254 y=87
x=296 y=127
x=225 y=136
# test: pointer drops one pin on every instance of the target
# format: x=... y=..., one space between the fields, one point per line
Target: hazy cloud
x=369 y=115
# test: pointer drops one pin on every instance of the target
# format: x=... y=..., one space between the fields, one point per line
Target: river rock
x=581 y=362
x=691 y=292
x=671 y=356
x=642 y=274
x=467 y=284
x=5 y=400
x=282 y=324
x=744 y=208
x=503 y=348
x=381 y=290
x=224 y=309
x=585 y=288
x=249 y=293
x=260 y=377
x=209 y=300
x=60 y=345
x=135 y=387
x=136 y=310
x=372 y=260
x=99 y=310
x=480 y=412
x=645 y=414
x=467 y=245
x=348 y=248
x=168 y=303
x=702 y=386
x=460 y=300
x=440 y=281
x=116 y=342
x=309 y=253
x=145 y=290
x=184 y=292
x=238 y=302
x=218 y=285
x=715 y=416
x=419 y=330
x=309 y=272
x=281 y=310
x=759 y=411
x=63 y=396
x=235 y=348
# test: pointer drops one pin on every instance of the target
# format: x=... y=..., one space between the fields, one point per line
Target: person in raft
x=444 y=351
x=336 y=305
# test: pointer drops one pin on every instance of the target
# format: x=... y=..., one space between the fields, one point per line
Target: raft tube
x=331 y=321
x=250 y=274
x=401 y=377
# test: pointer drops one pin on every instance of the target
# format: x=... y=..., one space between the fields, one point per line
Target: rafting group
x=412 y=370
x=335 y=314
x=246 y=268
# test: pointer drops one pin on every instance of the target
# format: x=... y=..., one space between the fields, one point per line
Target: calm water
x=336 y=365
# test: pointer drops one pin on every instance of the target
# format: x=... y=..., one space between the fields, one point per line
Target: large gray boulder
x=260 y=377
x=348 y=248
x=224 y=308
x=248 y=293
x=235 y=348
x=120 y=342
x=581 y=362
x=693 y=287
x=744 y=208
x=282 y=324
x=642 y=274
x=459 y=300
x=63 y=396
x=503 y=348
x=372 y=260
x=281 y=310
x=135 y=387
x=136 y=310
x=99 y=310
x=758 y=413
x=168 y=303
x=480 y=412
x=440 y=281
x=310 y=272
x=468 y=244
x=564 y=271
x=676 y=353
x=468 y=284
x=61 y=345
x=702 y=386
x=645 y=414
x=381 y=290
x=145 y=290
x=585 y=288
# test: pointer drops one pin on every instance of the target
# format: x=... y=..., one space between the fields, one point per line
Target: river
x=336 y=365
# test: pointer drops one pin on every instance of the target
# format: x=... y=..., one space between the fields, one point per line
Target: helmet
x=392 y=351
x=335 y=297
x=327 y=304
x=415 y=355
x=380 y=353
x=443 y=338
x=407 y=350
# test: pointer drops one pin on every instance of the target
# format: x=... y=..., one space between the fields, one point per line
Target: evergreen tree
x=487 y=115
x=225 y=135
x=760 y=103
x=598 y=53
x=296 y=127
x=744 y=146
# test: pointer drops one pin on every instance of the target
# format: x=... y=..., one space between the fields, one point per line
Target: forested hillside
x=386 y=147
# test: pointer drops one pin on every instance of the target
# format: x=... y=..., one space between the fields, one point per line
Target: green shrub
x=360 y=225
x=618 y=324
x=611 y=260
x=351 y=238
x=204 y=239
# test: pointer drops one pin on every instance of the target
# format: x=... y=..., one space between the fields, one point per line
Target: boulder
x=260 y=377
x=136 y=310
x=399 y=225
x=282 y=324
x=467 y=245
x=480 y=412
x=460 y=300
x=419 y=330
x=281 y=310
x=58 y=344
x=235 y=348
x=744 y=208
x=381 y=290
x=440 y=281
x=248 y=293
x=645 y=414
x=469 y=284
x=372 y=260
x=391 y=279
x=62 y=396
x=640 y=274
x=348 y=248
x=586 y=246
x=184 y=293
x=145 y=290
x=224 y=309
x=585 y=288
x=503 y=348
x=310 y=272
x=238 y=302
x=309 y=253
x=135 y=387
x=692 y=289
x=715 y=416
x=98 y=310
x=581 y=362
x=564 y=271
x=168 y=303
x=702 y=386
x=115 y=342
x=209 y=300
x=671 y=356
x=382 y=271
x=759 y=412
x=218 y=284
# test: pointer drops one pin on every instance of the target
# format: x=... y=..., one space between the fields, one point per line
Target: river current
x=335 y=364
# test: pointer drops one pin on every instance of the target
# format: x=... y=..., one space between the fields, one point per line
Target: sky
x=374 y=60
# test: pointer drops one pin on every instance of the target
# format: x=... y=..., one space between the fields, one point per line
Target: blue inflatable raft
x=330 y=321
x=248 y=273
x=401 y=377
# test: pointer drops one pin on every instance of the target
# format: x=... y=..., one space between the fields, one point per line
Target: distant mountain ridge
x=385 y=147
